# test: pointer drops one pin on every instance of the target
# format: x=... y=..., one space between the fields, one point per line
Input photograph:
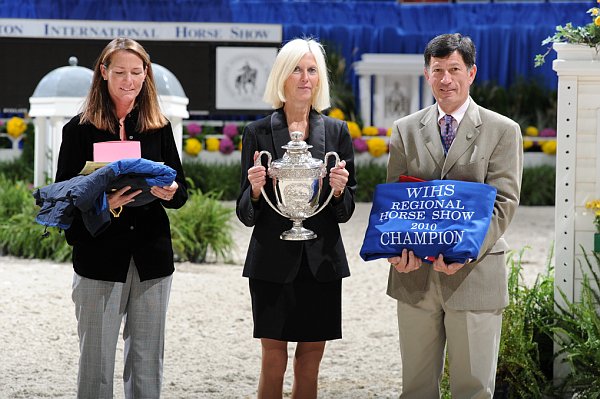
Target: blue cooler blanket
x=447 y=217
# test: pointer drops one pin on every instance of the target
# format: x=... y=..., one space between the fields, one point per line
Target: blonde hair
x=99 y=109
x=287 y=59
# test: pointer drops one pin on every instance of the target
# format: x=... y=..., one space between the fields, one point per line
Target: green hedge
x=537 y=187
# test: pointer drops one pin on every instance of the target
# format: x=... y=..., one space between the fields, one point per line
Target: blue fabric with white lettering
x=447 y=217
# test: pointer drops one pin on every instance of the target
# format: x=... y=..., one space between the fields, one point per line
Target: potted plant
x=584 y=36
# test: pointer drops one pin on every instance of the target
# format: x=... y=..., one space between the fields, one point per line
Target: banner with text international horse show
x=447 y=217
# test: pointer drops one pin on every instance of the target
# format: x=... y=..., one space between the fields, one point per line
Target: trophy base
x=298 y=234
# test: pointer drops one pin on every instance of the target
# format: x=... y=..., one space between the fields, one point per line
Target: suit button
x=130 y=137
x=131 y=227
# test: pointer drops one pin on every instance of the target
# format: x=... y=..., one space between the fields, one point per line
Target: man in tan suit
x=454 y=306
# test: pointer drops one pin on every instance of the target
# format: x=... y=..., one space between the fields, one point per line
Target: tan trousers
x=472 y=339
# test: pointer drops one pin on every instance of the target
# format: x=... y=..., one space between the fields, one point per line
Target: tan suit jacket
x=488 y=148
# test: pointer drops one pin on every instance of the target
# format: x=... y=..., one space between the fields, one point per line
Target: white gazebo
x=173 y=101
x=391 y=86
x=56 y=99
x=61 y=93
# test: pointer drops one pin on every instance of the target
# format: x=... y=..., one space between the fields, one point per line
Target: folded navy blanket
x=88 y=193
x=447 y=217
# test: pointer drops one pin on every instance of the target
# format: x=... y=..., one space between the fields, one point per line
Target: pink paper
x=109 y=151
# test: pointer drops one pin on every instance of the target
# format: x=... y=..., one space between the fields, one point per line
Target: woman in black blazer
x=125 y=272
x=296 y=285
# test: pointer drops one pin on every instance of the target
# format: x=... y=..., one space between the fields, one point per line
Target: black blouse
x=140 y=232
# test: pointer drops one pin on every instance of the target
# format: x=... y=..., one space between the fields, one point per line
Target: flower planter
x=596 y=242
x=575 y=52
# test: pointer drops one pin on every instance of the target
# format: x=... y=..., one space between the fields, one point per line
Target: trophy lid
x=296 y=144
x=297 y=155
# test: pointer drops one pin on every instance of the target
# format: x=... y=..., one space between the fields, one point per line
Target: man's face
x=450 y=81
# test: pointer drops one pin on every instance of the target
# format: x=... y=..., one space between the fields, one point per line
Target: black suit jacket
x=141 y=232
x=270 y=258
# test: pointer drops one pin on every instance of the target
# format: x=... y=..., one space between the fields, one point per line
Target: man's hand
x=406 y=262
x=439 y=265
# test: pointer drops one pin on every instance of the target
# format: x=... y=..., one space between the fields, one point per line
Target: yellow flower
x=549 y=147
x=337 y=114
x=212 y=144
x=15 y=127
x=370 y=131
x=597 y=21
x=389 y=131
x=594 y=11
x=354 y=129
x=527 y=144
x=192 y=146
x=240 y=146
x=531 y=131
x=377 y=147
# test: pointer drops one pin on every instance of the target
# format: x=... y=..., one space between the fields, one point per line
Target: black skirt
x=304 y=310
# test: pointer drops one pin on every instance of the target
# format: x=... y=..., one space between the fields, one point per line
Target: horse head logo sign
x=241 y=77
x=245 y=81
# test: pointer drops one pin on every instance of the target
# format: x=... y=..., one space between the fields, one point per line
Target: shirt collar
x=458 y=115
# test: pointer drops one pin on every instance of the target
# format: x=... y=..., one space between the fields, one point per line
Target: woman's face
x=125 y=76
x=302 y=84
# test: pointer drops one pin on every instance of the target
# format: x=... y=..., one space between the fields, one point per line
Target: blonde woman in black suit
x=296 y=285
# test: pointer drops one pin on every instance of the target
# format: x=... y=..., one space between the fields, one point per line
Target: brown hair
x=99 y=109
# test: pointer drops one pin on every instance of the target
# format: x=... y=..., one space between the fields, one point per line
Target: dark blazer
x=141 y=232
x=270 y=258
x=488 y=148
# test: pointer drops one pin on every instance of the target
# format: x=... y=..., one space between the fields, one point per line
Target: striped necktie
x=448 y=132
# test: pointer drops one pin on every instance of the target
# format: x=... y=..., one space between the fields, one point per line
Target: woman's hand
x=257 y=176
x=118 y=198
x=338 y=178
x=164 y=193
x=406 y=262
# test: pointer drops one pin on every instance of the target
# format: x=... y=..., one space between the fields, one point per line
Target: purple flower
x=381 y=131
x=360 y=145
x=226 y=145
x=194 y=129
x=230 y=130
x=547 y=132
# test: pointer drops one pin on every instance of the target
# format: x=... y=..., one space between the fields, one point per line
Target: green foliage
x=538 y=185
x=19 y=234
x=525 y=357
x=577 y=331
x=21 y=168
x=527 y=102
x=340 y=90
x=519 y=370
x=588 y=35
x=202 y=224
x=207 y=177
x=367 y=177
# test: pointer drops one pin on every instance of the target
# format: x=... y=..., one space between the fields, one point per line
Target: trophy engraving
x=297 y=183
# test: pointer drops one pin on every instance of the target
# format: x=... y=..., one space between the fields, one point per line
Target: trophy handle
x=258 y=162
x=337 y=162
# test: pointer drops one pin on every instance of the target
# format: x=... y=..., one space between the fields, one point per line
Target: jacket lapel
x=468 y=130
x=281 y=134
x=431 y=136
x=316 y=136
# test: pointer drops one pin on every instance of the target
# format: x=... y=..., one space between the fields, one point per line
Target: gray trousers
x=100 y=306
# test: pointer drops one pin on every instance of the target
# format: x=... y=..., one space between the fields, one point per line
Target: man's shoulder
x=489 y=116
x=415 y=117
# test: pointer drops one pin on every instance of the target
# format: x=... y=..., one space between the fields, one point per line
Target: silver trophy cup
x=297 y=182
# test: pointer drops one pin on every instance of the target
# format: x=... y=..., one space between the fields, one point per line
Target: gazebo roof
x=166 y=83
x=67 y=81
